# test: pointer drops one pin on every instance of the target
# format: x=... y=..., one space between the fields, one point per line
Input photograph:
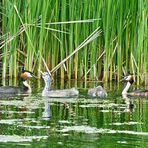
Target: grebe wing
x=62 y=93
x=140 y=90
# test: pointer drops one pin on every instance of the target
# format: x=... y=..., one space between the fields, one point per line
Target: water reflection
x=129 y=103
x=74 y=122
x=47 y=111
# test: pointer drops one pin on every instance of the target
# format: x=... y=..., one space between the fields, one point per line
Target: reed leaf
x=57 y=36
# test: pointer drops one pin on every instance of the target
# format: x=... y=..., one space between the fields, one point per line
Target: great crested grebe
x=130 y=81
x=98 y=91
x=56 y=93
x=25 y=89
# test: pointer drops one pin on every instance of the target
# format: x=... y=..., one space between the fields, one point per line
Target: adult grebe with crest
x=130 y=81
x=25 y=89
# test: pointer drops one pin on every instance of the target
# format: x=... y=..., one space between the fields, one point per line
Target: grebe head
x=46 y=76
x=47 y=79
x=129 y=78
x=26 y=74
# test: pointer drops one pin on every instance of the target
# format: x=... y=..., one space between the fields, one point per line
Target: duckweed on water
x=37 y=121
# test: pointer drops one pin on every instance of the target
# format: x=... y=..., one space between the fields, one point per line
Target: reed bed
x=60 y=36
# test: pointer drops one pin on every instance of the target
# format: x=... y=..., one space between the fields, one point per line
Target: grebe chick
x=98 y=91
x=130 y=81
x=16 y=89
x=56 y=93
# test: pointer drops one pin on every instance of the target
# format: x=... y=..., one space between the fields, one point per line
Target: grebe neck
x=47 y=86
x=27 y=88
x=125 y=90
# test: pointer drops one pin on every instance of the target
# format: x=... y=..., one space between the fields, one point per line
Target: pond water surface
x=36 y=121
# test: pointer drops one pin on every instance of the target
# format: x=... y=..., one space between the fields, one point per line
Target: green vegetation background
x=40 y=33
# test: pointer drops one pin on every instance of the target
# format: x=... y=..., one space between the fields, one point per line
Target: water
x=36 y=121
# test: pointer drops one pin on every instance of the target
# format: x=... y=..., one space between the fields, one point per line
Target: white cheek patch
x=128 y=78
x=29 y=74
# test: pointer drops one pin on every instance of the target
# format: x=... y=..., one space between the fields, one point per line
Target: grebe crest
x=26 y=74
x=129 y=78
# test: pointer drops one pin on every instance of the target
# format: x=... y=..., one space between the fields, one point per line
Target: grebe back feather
x=98 y=91
x=56 y=93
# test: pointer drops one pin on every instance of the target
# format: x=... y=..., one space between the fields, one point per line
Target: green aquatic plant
x=46 y=34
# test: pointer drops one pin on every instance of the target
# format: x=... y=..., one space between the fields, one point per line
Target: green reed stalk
x=120 y=34
x=145 y=43
x=107 y=34
x=71 y=39
x=51 y=30
x=42 y=33
x=62 y=49
x=140 y=40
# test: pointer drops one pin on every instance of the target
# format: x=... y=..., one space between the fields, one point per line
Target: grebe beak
x=27 y=74
x=123 y=79
x=41 y=72
x=30 y=75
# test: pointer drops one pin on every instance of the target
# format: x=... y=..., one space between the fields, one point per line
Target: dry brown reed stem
x=89 y=39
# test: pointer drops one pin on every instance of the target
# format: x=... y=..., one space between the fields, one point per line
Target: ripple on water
x=64 y=122
x=34 y=127
x=94 y=130
x=17 y=112
x=14 y=121
x=15 y=138
x=109 y=105
x=126 y=123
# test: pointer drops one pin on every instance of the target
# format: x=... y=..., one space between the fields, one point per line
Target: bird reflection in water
x=129 y=104
x=47 y=110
